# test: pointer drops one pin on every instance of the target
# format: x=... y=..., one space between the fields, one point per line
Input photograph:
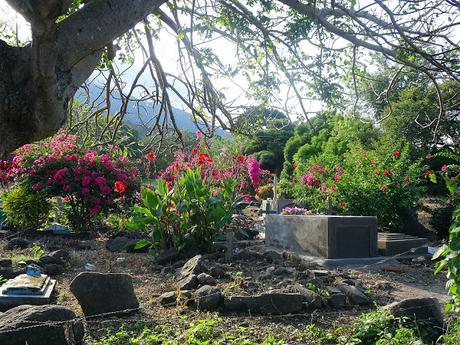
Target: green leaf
x=142 y=244
x=441 y=251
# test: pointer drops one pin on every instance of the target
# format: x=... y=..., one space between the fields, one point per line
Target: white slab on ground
x=15 y=300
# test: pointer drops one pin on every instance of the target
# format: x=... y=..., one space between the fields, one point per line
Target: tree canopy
x=304 y=49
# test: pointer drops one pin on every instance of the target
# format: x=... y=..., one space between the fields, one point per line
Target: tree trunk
x=37 y=81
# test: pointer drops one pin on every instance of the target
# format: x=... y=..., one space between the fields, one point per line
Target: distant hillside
x=140 y=114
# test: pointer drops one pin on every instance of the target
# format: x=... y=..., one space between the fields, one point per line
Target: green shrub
x=191 y=213
x=383 y=183
x=25 y=210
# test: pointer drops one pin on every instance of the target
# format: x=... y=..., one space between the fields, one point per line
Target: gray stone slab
x=10 y=301
x=330 y=237
x=390 y=244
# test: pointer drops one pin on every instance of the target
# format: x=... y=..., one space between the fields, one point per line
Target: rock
x=419 y=260
x=99 y=293
x=354 y=282
x=10 y=273
x=17 y=243
x=206 y=279
x=117 y=244
x=48 y=259
x=272 y=256
x=314 y=301
x=208 y=297
x=354 y=294
x=61 y=254
x=167 y=257
x=217 y=271
x=193 y=266
x=14 y=325
x=188 y=283
x=426 y=309
x=320 y=273
x=337 y=300
x=268 y=274
x=6 y=262
x=247 y=254
x=273 y=302
x=171 y=298
x=393 y=268
x=53 y=269
x=279 y=271
x=333 y=290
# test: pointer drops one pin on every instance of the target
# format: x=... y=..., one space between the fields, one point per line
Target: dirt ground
x=408 y=280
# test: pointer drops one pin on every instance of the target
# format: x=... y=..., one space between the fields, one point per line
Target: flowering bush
x=92 y=183
x=227 y=164
x=383 y=183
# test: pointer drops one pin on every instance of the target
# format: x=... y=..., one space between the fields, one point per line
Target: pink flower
x=247 y=198
x=444 y=168
x=37 y=186
x=105 y=190
x=396 y=153
x=67 y=188
x=86 y=181
x=100 y=181
x=253 y=170
x=122 y=176
x=309 y=179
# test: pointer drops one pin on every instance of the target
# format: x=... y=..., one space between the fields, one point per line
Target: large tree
x=309 y=43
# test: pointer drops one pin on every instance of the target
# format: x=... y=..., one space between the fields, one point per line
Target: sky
x=166 y=50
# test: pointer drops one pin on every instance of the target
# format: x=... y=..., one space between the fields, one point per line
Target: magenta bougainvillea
x=227 y=164
x=91 y=182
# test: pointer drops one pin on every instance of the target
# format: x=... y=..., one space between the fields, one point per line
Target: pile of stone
x=197 y=285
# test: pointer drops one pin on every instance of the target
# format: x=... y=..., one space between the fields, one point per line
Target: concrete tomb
x=27 y=289
x=331 y=237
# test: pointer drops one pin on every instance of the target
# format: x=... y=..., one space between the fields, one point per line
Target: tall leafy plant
x=450 y=252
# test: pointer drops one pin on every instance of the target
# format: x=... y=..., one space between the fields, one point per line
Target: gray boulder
x=15 y=326
x=206 y=279
x=188 y=283
x=193 y=266
x=99 y=293
x=208 y=297
x=312 y=299
x=117 y=244
x=354 y=294
x=5 y=262
x=426 y=309
x=171 y=298
x=17 y=243
x=267 y=303
x=337 y=300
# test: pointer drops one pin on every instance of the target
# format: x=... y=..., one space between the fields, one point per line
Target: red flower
x=377 y=173
x=396 y=153
x=295 y=165
x=151 y=156
x=374 y=163
x=204 y=158
x=343 y=204
x=120 y=186
x=387 y=172
x=240 y=159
